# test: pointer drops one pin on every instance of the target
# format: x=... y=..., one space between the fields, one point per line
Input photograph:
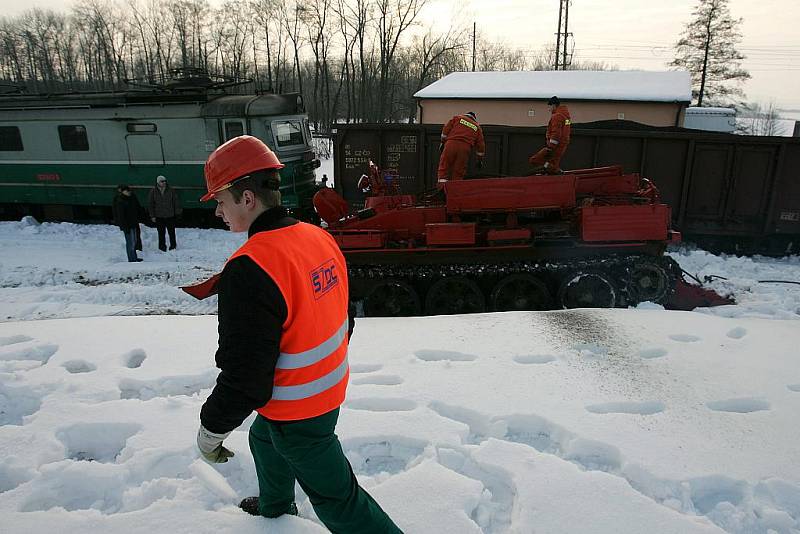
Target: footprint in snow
x=794 y=387
x=39 y=353
x=444 y=355
x=685 y=338
x=737 y=333
x=627 y=407
x=652 y=353
x=134 y=358
x=384 y=454
x=167 y=386
x=536 y=359
x=378 y=380
x=12 y=340
x=739 y=405
x=17 y=402
x=356 y=368
x=96 y=442
x=79 y=366
x=590 y=351
x=376 y=404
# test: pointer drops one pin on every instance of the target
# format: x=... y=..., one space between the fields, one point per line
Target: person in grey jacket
x=164 y=208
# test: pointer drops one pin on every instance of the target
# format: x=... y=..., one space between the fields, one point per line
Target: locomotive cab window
x=233 y=129
x=10 y=139
x=73 y=138
x=288 y=133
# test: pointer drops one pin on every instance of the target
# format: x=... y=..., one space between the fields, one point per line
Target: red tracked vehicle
x=586 y=238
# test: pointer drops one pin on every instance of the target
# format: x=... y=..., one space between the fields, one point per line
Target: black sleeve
x=115 y=212
x=351 y=318
x=252 y=311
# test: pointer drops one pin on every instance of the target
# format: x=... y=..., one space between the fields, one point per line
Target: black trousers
x=166 y=224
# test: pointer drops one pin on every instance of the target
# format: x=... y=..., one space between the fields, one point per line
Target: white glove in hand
x=210 y=445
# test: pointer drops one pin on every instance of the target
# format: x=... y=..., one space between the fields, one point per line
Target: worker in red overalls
x=557 y=139
x=459 y=136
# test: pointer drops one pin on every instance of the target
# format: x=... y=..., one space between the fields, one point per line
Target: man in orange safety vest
x=284 y=330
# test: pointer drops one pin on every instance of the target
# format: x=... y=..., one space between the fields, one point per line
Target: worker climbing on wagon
x=548 y=159
x=459 y=136
x=284 y=329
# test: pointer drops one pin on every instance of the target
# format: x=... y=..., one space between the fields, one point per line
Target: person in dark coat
x=125 y=208
x=164 y=207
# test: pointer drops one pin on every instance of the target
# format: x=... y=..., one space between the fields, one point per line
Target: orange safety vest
x=312 y=371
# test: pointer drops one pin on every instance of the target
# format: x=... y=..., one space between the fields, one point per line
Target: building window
x=10 y=139
x=620 y=116
x=73 y=138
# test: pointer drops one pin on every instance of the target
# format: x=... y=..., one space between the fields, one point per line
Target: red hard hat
x=234 y=159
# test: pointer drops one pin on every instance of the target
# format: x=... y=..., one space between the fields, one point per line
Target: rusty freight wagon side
x=727 y=192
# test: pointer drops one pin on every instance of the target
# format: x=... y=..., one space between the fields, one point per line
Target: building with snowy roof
x=519 y=98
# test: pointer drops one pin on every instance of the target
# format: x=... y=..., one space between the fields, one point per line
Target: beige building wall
x=536 y=113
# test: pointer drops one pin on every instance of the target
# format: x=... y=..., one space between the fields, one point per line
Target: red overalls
x=557 y=140
x=459 y=135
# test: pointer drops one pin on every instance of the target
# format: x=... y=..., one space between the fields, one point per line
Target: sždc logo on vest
x=324 y=278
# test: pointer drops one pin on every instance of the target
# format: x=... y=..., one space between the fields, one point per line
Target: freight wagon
x=62 y=156
x=727 y=192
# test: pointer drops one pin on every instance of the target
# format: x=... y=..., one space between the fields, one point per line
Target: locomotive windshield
x=288 y=133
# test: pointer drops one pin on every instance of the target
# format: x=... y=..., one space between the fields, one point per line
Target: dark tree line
x=353 y=60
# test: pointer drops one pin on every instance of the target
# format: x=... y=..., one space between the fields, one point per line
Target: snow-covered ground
x=601 y=421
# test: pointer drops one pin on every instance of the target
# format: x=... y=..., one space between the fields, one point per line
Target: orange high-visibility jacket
x=312 y=371
x=559 y=127
x=467 y=130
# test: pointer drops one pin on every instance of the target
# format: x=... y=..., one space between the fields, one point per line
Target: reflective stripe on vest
x=309 y=357
x=309 y=389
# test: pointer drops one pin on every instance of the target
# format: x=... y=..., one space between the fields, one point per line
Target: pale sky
x=632 y=34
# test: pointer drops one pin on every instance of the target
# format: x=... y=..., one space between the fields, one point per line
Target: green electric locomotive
x=62 y=156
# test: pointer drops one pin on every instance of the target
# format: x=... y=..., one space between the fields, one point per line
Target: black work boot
x=250 y=505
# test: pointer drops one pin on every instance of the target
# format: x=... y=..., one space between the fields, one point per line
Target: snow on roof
x=694 y=110
x=647 y=86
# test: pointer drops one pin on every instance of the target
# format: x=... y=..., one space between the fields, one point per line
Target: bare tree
x=760 y=119
x=427 y=55
x=394 y=17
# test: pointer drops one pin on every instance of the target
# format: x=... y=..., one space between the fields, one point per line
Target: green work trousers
x=308 y=451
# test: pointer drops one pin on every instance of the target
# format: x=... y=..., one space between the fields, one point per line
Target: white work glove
x=210 y=445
